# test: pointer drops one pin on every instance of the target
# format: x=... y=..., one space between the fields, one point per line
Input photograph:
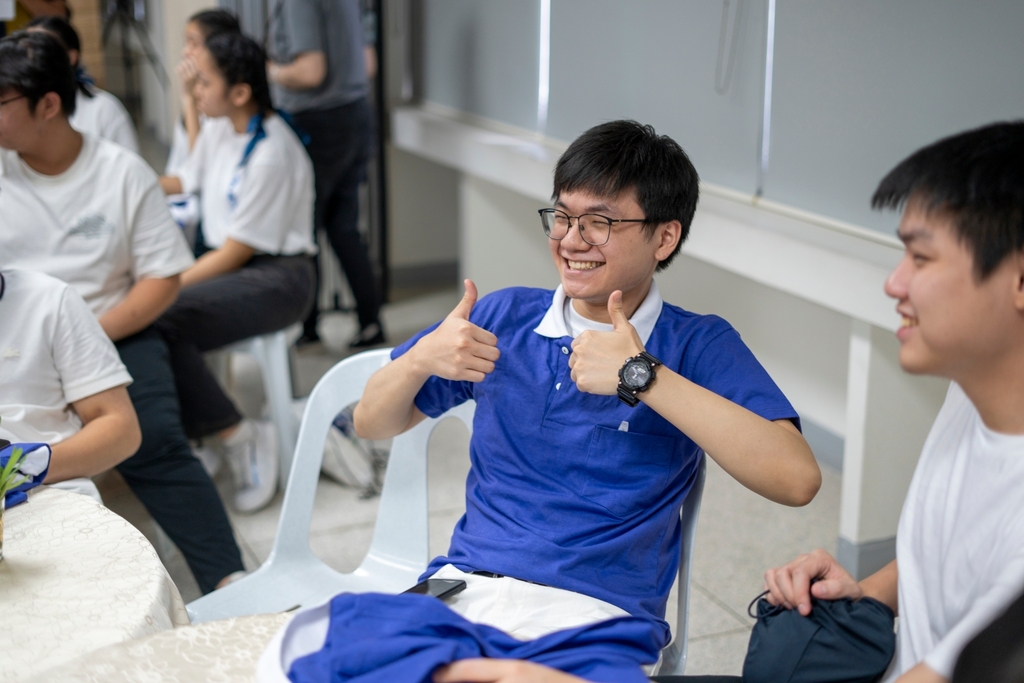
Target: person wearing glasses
x=593 y=404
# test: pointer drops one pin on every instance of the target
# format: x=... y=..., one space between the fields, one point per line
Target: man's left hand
x=597 y=357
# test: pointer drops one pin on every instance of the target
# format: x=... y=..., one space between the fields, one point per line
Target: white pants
x=521 y=609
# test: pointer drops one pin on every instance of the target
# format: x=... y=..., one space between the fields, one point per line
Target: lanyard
x=256 y=130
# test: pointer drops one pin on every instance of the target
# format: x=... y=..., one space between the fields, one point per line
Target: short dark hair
x=214 y=22
x=66 y=34
x=240 y=59
x=34 y=63
x=977 y=178
x=618 y=156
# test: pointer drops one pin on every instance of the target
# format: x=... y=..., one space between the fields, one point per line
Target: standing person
x=255 y=276
x=96 y=111
x=319 y=73
x=91 y=213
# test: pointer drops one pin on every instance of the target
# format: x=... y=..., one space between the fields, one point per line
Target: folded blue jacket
x=375 y=638
x=34 y=468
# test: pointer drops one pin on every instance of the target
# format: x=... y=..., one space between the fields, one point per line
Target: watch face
x=636 y=374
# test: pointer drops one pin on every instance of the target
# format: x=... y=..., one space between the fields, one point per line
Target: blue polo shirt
x=573 y=490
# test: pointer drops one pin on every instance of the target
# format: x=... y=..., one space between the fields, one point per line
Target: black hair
x=976 y=178
x=214 y=22
x=66 y=34
x=614 y=157
x=34 y=63
x=240 y=59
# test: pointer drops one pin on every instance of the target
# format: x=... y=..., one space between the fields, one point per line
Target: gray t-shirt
x=333 y=27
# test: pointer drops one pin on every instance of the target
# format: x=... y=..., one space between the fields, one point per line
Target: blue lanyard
x=256 y=130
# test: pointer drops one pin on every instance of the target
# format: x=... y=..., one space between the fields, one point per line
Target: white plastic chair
x=271 y=354
x=673 y=657
x=293 y=576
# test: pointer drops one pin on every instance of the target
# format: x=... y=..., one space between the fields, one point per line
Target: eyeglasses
x=13 y=99
x=595 y=229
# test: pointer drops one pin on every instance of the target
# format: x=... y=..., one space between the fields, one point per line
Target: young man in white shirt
x=61 y=381
x=96 y=111
x=254 y=274
x=960 y=290
x=90 y=213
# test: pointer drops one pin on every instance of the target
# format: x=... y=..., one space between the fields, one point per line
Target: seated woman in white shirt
x=96 y=111
x=254 y=274
x=61 y=381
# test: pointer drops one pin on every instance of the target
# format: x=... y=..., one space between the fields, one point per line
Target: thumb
x=465 y=306
x=618 y=316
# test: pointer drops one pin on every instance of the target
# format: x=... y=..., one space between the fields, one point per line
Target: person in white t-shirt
x=199 y=28
x=91 y=213
x=960 y=291
x=61 y=381
x=254 y=274
x=96 y=111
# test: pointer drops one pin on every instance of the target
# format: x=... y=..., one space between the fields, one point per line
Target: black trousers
x=267 y=294
x=165 y=475
x=340 y=140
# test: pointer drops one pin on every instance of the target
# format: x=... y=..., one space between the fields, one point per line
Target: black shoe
x=371 y=335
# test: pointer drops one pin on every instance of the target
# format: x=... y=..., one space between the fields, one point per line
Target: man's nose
x=574 y=236
x=896 y=283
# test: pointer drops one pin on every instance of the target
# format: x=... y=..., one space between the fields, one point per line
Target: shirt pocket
x=627 y=471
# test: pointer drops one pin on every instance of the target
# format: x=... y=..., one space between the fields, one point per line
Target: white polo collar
x=553 y=323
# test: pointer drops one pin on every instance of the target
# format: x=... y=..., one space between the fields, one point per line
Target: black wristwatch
x=636 y=376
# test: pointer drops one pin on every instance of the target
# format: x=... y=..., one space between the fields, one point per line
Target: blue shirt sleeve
x=437 y=396
x=727 y=367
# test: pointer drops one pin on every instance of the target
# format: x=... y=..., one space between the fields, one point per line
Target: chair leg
x=273 y=356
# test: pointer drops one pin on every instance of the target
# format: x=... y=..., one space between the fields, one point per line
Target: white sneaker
x=251 y=453
x=210 y=454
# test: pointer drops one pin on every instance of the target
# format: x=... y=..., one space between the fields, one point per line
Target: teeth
x=908 y=322
x=583 y=265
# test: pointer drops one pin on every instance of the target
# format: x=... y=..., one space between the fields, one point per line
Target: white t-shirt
x=273 y=209
x=960 y=542
x=53 y=352
x=104 y=116
x=100 y=226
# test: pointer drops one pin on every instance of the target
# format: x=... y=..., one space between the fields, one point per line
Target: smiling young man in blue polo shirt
x=592 y=404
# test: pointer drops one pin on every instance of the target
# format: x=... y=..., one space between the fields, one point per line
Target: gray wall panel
x=654 y=61
x=860 y=85
x=482 y=57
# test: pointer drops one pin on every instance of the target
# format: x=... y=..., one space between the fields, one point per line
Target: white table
x=76 y=577
x=215 y=651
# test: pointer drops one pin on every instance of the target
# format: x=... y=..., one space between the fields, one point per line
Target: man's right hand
x=187 y=72
x=790 y=585
x=458 y=350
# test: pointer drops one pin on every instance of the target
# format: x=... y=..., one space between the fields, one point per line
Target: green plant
x=8 y=478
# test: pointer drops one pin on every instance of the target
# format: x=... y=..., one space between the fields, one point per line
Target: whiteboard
x=858 y=84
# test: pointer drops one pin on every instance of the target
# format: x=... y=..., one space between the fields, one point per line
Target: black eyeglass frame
x=12 y=99
x=608 y=234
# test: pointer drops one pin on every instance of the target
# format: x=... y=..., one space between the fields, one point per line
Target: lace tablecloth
x=76 y=577
x=213 y=652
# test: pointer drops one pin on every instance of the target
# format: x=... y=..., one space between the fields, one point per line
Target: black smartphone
x=439 y=588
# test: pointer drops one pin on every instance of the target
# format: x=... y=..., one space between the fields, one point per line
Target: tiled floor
x=738 y=536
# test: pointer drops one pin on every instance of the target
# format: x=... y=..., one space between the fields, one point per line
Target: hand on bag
x=597 y=357
x=790 y=585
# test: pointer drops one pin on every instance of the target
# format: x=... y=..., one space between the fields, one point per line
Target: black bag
x=840 y=641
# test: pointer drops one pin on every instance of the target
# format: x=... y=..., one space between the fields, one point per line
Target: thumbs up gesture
x=597 y=356
x=458 y=349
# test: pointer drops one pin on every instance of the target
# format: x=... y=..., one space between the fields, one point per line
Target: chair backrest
x=401 y=537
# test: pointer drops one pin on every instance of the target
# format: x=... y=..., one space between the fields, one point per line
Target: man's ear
x=240 y=94
x=668 y=235
x=48 y=107
x=1018 y=281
